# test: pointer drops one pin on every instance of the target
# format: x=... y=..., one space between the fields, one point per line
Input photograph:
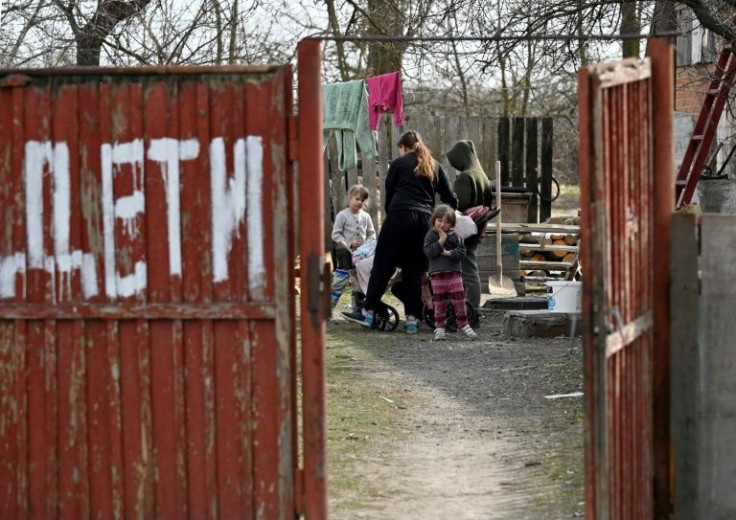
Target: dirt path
x=453 y=430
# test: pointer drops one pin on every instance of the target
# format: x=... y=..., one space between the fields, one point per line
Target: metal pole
x=314 y=282
x=663 y=101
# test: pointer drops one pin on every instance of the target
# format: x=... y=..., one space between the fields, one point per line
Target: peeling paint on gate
x=627 y=196
x=147 y=338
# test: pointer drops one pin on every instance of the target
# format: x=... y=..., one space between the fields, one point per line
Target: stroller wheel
x=428 y=316
x=386 y=318
x=450 y=317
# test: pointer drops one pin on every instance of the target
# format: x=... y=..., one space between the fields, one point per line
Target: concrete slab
x=538 y=324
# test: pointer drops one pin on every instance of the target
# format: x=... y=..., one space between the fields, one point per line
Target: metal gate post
x=663 y=104
x=311 y=240
x=593 y=324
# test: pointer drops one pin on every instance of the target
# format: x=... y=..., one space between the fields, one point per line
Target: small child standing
x=445 y=249
x=352 y=227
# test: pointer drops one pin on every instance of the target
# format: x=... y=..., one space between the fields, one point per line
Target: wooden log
x=539 y=228
x=571 y=240
x=556 y=220
x=528 y=238
x=569 y=257
x=547 y=266
x=557 y=254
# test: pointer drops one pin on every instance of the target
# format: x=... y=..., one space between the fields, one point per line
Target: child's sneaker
x=411 y=327
x=469 y=332
x=439 y=334
x=359 y=318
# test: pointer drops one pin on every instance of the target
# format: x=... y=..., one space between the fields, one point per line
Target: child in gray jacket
x=445 y=249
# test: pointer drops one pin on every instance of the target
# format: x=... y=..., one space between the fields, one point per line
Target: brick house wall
x=691 y=84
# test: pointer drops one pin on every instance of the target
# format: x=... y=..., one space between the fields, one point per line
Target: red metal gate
x=627 y=195
x=147 y=324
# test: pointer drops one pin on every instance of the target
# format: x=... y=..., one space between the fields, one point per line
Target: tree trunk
x=91 y=37
x=385 y=19
x=89 y=48
x=665 y=17
x=630 y=25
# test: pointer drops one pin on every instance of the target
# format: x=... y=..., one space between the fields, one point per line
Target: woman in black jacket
x=411 y=184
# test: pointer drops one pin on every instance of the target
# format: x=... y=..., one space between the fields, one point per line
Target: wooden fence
x=523 y=145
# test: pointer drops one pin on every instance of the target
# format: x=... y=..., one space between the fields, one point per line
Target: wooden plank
x=474 y=132
x=531 y=265
x=41 y=379
x=159 y=172
x=353 y=175
x=504 y=148
x=628 y=333
x=133 y=335
x=542 y=279
x=547 y=247
x=490 y=144
x=686 y=371
x=228 y=339
x=14 y=470
x=112 y=387
x=376 y=184
x=196 y=280
x=202 y=348
x=14 y=346
x=561 y=229
x=545 y=180
x=264 y=451
x=517 y=153
x=531 y=167
x=72 y=414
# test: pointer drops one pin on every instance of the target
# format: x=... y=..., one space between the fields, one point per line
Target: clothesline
x=351 y=111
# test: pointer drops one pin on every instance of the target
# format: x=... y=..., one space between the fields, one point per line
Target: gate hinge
x=293 y=129
x=319 y=277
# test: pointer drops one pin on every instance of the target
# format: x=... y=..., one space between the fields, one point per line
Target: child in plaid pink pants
x=444 y=249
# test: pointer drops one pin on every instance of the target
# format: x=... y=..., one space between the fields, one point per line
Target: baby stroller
x=428 y=310
x=385 y=317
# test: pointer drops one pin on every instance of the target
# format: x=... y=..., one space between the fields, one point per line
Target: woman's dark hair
x=443 y=212
x=412 y=141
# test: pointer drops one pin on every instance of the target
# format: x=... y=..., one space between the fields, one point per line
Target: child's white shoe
x=439 y=334
x=470 y=333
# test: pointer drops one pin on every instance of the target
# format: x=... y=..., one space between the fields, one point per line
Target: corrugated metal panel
x=626 y=138
x=146 y=323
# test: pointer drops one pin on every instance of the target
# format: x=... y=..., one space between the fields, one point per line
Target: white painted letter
x=126 y=208
x=169 y=152
x=229 y=201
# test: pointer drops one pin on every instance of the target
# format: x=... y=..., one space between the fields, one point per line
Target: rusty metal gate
x=147 y=324
x=627 y=196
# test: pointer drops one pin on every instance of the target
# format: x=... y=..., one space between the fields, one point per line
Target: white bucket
x=565 y=297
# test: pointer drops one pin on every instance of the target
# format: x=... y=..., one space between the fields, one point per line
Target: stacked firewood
x=545 y=247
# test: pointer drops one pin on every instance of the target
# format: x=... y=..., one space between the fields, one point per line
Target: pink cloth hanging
x=384 y=95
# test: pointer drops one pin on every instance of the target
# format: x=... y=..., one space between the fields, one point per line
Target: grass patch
x=360 y=421
x=565 y=468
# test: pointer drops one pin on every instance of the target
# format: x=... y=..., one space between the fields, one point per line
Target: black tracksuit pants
x=400 y=244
